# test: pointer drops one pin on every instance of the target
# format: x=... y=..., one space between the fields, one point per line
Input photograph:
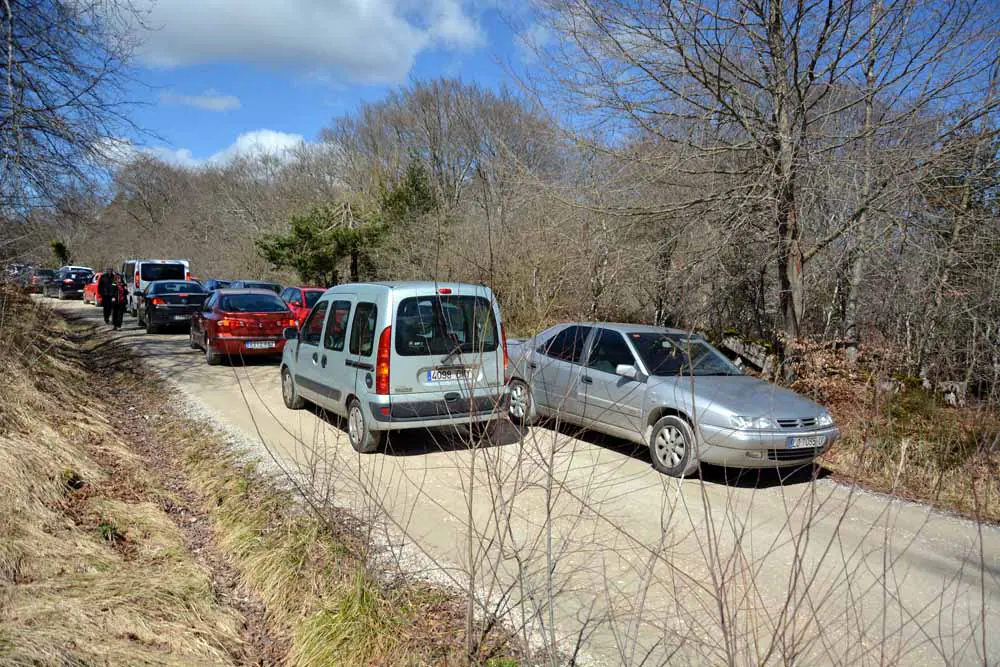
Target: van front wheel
x=362 y=439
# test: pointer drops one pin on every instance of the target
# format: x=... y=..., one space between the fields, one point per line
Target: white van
x=140 y=272
x=391 y=356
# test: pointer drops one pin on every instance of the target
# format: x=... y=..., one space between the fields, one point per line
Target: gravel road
x=580 y=540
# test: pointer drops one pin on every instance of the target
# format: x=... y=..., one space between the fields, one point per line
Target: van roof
x=416 y=285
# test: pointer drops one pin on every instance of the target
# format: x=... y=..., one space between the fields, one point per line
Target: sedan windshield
x=678 y=354
x=252 y=303
x=176 y=288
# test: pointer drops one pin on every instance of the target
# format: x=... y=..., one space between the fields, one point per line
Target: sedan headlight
x=824 y=419
x=748 y=423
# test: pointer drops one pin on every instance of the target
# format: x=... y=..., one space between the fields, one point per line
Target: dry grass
x=906 y=442
x=89 y=574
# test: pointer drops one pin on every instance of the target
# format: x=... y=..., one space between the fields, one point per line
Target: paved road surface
x=640 y=569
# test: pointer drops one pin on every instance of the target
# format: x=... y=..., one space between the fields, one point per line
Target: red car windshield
x=312 y=298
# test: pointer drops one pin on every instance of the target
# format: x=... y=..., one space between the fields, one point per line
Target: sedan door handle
x=586 y=379
x=533 y=365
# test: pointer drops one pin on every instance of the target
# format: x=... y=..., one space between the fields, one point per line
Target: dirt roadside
x=297 y=584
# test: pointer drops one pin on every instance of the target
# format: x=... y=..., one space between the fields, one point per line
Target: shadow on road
x=744 y=478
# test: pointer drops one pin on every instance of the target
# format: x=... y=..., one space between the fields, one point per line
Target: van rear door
x=447 y=343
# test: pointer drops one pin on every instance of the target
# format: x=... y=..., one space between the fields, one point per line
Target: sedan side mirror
x=627 y=371
x=295 y=304
x=290 y=333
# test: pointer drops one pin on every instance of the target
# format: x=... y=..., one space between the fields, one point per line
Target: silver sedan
x=667 y=389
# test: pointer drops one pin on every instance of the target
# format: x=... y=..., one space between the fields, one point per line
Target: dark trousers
x=108 y=307
x=119 y=315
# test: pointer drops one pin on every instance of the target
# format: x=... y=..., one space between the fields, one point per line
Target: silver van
x=139 y=273
x=398 y=355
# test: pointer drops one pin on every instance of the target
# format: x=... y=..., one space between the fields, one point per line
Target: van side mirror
x=627 y=371
x=290 y=333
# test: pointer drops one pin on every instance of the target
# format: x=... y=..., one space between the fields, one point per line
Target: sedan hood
x=742 y=395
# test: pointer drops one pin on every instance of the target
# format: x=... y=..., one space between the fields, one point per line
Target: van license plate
x=449 y=374
x=806 y=441
x=260 y=344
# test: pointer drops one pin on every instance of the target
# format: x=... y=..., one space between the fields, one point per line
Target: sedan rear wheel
x=671 y=447
x=192 y=343
x=212 y=358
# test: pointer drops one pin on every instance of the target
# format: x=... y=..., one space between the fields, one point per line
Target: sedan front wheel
x=672 y=447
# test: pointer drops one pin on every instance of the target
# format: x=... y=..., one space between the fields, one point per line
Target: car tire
x=212 y=358
x=520 y=408
x=672 y=447
x=362 y=439
x=152 y=328
x=289 y=393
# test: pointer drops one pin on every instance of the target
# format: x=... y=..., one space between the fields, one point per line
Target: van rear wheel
x=288 y=391
x=362 y=439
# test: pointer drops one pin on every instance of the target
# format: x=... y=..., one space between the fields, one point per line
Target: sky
x=217 y=78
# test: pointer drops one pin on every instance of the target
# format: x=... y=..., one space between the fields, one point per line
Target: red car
x=241 y=323
x=301 y=300
x=90 y=293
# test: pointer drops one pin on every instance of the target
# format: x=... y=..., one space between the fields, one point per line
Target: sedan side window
x=610 y=350
x=336 y=326
x=312 y=330
x=568 y=344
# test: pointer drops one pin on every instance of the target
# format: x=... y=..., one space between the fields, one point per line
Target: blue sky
x=273 y=71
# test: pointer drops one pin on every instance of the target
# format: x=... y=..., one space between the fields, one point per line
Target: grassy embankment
x=94 y=567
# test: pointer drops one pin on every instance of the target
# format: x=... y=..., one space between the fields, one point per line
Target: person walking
x=104 y=289
x=119 y=298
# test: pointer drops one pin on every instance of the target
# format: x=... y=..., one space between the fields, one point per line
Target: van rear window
x=150 y=272
x=442 y=324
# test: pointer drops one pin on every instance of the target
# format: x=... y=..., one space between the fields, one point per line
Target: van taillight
x=137 y=280
x=503 y=341
x=382 y=362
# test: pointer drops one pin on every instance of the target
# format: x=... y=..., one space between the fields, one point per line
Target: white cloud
x=258 y=143
x=362 y=40
x=118 y=152
x=210 y=100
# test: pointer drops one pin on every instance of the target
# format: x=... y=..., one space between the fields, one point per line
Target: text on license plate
x=182 y=317
x=260 y=344
x=449 y=374
x=806 y=441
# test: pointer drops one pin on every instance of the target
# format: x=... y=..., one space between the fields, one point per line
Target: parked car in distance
x=667 y=389
x=301 y=300
x=140 y=272
x=391 y=356
x=256 y=284
x=90 y=291
x=68 y=283
x=240 y=322
x=34 y=280
x=170 y=303
x=212 y=284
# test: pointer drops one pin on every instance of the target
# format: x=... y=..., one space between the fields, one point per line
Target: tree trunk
x=355 y=261
x=789 y=262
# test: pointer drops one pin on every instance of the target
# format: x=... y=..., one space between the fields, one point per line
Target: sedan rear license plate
x=260 y=344
x=806 y=441
x=182 y=317
x=449 y=374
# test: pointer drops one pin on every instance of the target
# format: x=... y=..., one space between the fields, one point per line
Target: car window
x=336 y=326
x=212 y=301
x=312 y=330
x=609 y=351
x=680 y=354
x=176 y=288
x=150 y=272
x=287 y=295
x=441 y=324
x=363 y=329
x=253 y=303
x=311 y=298
x=568 y=344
